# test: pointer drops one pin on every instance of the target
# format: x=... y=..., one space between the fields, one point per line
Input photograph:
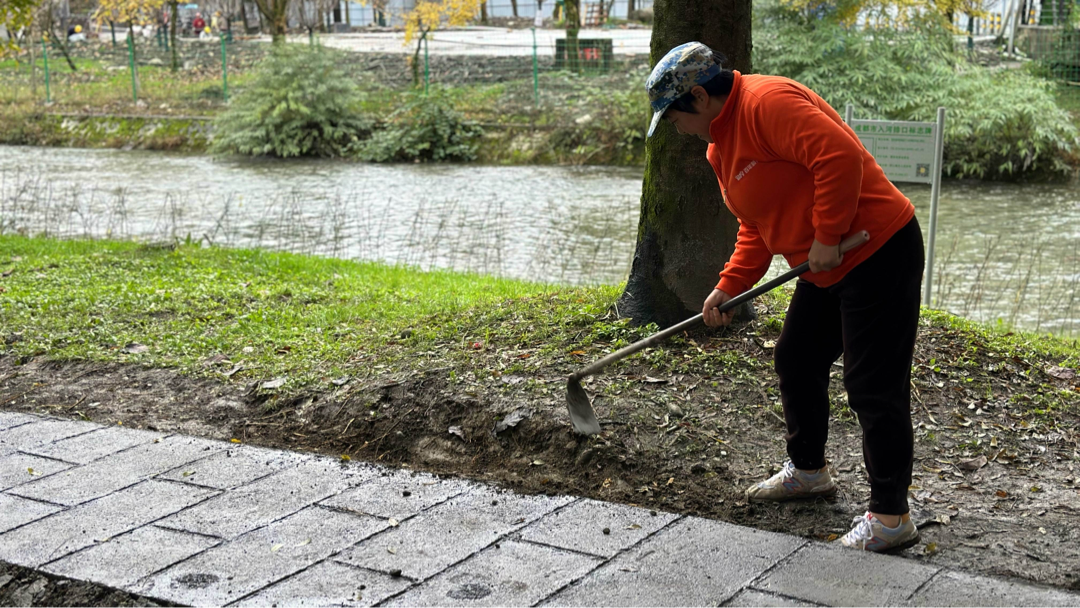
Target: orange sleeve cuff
x=730 y=286
x=827 y=239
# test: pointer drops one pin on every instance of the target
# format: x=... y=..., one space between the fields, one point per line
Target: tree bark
x=573 y=22
x=483 y=12
x=685 y=234
x=629 y=9
x=276 y=12
x=513 y=7
x=174 y=16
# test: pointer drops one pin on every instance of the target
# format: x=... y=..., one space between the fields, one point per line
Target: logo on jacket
x=745 y=170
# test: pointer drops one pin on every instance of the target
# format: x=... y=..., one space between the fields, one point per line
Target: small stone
x=675 y=410
x=607 y=530
x=395 y=573
x=363 y=587
x=406 y=493
x=653 y=513
x=494 y=502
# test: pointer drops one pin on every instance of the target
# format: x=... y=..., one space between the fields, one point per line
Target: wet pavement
x=200 y=522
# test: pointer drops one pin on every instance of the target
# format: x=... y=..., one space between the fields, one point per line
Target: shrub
x=1000 y=124
x=299 y=103
x=425 y=128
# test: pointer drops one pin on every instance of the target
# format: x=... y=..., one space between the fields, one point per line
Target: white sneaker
x=791 y=483
x=869 y=534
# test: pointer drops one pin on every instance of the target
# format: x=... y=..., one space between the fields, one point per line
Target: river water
x=1005 y=253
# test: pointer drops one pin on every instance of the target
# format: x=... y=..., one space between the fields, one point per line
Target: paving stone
x=16 y=511
x=270 y=498
x=45 y=430
x=836 y=575
x=958 y=589
x=752 y=597
x=242 y=566
x=384 y=496
x=106 y=475
x=17 y=469
x=329 y=584
x=11 y=419
x=96 y=444
x=694 y=562
x=444 y=535
x=125 y=559
x=68 y=531
x=581 y=525
x=234 y=467
x=514 y=574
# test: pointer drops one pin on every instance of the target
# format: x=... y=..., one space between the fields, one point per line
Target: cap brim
x=655 y=121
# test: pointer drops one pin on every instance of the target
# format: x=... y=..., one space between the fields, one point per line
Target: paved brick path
x=203 y=522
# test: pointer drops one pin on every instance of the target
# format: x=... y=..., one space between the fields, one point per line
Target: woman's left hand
x=824 y=257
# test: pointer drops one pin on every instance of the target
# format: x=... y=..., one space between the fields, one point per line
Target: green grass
x=298 y=315
x=309 y=319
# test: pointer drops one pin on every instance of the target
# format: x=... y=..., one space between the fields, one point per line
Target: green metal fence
x=146 y=73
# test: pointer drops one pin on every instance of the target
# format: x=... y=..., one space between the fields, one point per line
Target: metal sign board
x=905 y=150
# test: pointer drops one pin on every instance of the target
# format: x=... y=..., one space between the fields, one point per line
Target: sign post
x=908 y=152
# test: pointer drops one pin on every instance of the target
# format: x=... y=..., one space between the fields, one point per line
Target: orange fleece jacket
x=791 y=171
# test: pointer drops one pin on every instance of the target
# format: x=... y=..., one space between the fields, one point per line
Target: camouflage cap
x=684 y=67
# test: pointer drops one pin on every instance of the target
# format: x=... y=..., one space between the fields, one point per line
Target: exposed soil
x=25 y=587
x=997 y=463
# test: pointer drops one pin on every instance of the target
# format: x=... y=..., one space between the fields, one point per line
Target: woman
x=799 y=181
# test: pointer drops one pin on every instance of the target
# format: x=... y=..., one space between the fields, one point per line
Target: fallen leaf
x=831 y=537
x=393 y=522
x=276 y=548
x=974 y=464
x=1001 y=494
x=306 y=541
x=538 y=463
x=1061 y=373
x=215 y=360
x=346 y=457
x=524 y=356
x=234 y=440
x=930 y=548
x=513 y=419
x=456 y=430
x=577 y=352
x=633 y=527
x=391 y=550
x=340 y=381
x=272 y=384
x=134 y=348
x=231 y=372
x=651 y=380
x=31 y=471
x=187 y=473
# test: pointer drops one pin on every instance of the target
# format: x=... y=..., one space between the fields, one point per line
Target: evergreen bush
x=300 y=103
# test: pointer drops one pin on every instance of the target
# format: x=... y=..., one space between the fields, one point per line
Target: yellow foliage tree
x=139 y=12
x=430 y=14
x=15 y=15
x=889 y=13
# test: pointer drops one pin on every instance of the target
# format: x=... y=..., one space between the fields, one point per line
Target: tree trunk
x=483 y=12
x=276 y=12
x=573 y=22
x=685 y=233
x=174 y=16
x=513 y=7
x=629 y=9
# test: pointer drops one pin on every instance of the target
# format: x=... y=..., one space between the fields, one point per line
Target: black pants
x=871 y=316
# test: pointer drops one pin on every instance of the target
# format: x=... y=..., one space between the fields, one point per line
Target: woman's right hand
x=713 y=317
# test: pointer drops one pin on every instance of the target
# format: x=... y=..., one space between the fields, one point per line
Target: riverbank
x=465 y=375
